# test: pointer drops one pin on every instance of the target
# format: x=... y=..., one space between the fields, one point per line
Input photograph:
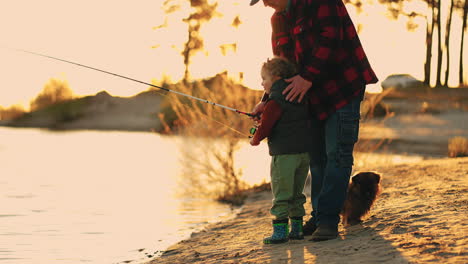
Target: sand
x=420 y=217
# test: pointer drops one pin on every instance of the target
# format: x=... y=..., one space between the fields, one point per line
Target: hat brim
x=253 y=2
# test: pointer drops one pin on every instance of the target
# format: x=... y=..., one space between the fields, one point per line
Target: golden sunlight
x=391 y=48
x=149 y=46
x=136 y=168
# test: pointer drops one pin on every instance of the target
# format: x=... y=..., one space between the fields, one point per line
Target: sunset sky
x=118 y=36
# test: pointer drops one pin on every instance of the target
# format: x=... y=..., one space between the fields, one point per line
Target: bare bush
x=54 y=91
x=373 y=106
x=458 y=147
x=211 y=135
x=11 y=112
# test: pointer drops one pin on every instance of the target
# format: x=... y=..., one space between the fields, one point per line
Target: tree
x=447 y=42
x=429 y=38
x=357 y=3
x=439 y=44
x=395 y=7
x=434 y=22
x=54 y=91
x=201 y=13
x=464 y=9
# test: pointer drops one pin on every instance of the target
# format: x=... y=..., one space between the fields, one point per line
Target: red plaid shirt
x=319 y=36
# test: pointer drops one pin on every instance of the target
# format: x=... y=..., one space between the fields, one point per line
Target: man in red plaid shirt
x=319 y=36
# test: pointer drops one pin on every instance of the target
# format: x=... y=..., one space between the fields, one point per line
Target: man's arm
x=323 y=40
x=318 y=43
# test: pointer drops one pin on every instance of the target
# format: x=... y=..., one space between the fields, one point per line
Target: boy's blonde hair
x=279 y=67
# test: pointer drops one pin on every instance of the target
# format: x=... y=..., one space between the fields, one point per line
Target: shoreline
x=419 y=217
x=394 y=223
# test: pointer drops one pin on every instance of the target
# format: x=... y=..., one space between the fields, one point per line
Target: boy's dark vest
x=291 y=134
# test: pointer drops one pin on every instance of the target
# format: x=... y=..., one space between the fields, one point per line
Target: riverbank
x=420 y=217
x=97 y=112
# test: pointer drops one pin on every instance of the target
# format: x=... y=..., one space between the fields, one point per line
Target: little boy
x=286 y=125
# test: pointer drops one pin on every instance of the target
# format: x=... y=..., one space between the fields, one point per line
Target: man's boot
x=325 y=232
x=296 y=229
x=309 y=228
x=280 y=232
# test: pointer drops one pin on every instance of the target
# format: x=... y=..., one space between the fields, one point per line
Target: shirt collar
x=288 y=7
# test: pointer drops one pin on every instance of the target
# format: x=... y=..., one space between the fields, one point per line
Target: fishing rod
x=138 y=81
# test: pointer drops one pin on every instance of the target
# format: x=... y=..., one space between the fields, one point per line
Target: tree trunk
x=447 y=42
x=429 y=37
x=186 y=54
x=439 y=45
x=460 y=69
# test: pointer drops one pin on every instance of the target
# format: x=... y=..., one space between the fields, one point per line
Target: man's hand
x=298 y=87
x=258 y=110
x=254 y=143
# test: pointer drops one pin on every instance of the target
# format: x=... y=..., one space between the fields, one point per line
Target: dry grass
x=12 y=112
x=55 y=91
x=373 y=105
x=458 y=147
x=211 y=135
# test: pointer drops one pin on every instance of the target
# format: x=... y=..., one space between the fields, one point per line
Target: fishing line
x=212 y=119
x=149 y=84
x=135 y=80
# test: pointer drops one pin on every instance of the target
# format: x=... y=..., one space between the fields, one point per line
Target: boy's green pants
x=288 y=176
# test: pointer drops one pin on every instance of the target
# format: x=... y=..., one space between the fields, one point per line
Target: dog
x=362 y=193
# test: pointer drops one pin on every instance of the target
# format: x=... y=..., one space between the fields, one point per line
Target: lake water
x=95 y=197
x=103 y=197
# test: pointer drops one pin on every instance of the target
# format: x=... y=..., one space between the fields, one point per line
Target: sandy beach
x=420 y=217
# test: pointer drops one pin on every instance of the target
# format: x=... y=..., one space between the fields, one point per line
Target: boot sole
x=275 y=241
x=308 y=231
x=296 y=237
x=323 y=238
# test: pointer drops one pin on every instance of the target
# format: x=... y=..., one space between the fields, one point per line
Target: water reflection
x=94 y=197
x=106 y=197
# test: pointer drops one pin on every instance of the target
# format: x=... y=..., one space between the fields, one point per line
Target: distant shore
x=423 y=121
x=98 y=112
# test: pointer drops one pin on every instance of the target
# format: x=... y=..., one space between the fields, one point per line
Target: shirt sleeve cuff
x=308 y=76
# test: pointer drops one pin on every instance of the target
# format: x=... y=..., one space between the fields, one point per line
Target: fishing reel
x=252 y=130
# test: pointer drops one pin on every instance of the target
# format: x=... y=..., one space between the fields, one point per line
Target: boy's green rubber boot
x=296 y=229
x=280 y=233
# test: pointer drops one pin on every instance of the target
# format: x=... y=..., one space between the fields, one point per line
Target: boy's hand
x=258 y=110
x=254 y=143
x=298 y=87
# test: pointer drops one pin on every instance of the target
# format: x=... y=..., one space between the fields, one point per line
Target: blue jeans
x=332 y=160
